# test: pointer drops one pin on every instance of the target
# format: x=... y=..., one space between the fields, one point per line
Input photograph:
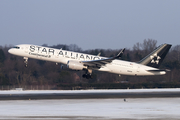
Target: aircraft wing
x=102 y=62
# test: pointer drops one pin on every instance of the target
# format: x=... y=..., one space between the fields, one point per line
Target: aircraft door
x=138 y=69
x=26 y=49
x=57 y=54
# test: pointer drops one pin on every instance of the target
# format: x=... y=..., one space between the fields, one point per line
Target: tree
x=13 y=72
x=142 y=49
x=2 y=56
x=147 y=46
x=176 y=52
x=74 y=47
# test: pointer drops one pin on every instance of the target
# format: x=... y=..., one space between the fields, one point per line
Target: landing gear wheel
x=84 y=75
x=87 y=76
x=88 y=73
x=26 y=61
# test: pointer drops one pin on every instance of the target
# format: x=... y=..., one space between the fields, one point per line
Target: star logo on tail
x=155 y=58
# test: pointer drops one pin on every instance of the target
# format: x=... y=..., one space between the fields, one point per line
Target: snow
x=88 y=109
x=139 y=108
x=90 y=91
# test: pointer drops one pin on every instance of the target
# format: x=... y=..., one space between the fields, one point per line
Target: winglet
x=120 y=53
x=99 y=54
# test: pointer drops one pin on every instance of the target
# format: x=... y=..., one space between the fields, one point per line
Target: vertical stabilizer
x=155 y=58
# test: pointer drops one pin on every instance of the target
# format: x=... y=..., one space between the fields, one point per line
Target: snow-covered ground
x=90 y=109
x=90 y=91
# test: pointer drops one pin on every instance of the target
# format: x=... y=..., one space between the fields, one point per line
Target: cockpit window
x=16 y=47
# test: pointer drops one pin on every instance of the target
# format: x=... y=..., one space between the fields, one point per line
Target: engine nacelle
x=75 y=65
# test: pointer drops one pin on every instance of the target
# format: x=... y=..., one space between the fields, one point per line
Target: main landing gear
x=87 y=75
x=26 y=61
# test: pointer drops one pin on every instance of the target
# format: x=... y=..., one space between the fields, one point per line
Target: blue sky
x=90 y=24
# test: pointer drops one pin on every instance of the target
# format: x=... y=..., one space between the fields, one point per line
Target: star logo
x=155 y=58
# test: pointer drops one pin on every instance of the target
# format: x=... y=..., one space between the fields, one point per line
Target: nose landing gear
x=26 y=61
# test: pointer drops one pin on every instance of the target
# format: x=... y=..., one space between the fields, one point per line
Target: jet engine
x=75 y=65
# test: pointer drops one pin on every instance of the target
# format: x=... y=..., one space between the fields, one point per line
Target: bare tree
x=74 y=47
x=176 y=52
x=137 y=46
x=148 y=45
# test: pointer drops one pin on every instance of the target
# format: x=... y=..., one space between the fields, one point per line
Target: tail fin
x=155 y=58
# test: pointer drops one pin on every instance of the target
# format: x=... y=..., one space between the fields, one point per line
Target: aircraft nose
x=10 y=51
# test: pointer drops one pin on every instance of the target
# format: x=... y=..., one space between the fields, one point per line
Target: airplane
x=148 y=66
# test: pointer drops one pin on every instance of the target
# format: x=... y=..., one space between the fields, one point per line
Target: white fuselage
x=62 y=56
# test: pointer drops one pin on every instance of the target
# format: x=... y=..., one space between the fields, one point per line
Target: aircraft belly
x=157 y=73
x=146 y=73
x=121 y=70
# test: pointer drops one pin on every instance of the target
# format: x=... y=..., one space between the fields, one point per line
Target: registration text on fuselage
x=48 y=52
